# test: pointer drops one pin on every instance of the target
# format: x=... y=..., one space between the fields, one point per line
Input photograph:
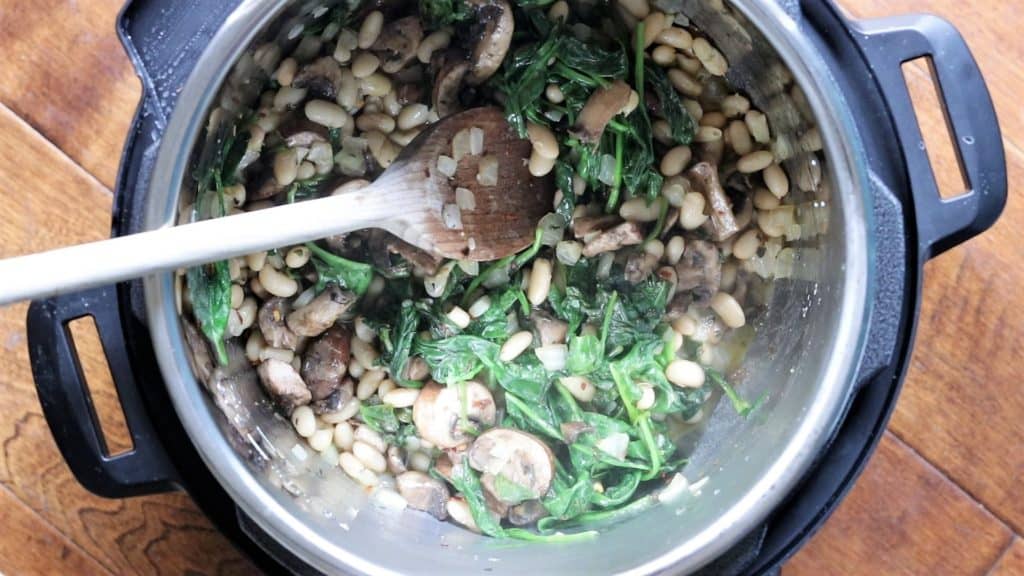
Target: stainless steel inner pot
x=804 y=354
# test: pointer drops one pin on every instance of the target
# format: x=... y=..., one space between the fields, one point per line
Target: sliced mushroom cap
x=273 y=325
x=326 y=362
x=437 y=411
x=603 y=105
x=515 y=465
x=492 y=32
x=398 y=42
x=283 y=384
x=322 y=78
x=423 y=261
x=625 y=234
x=699 y=274
x=323 y=311
x=550 y=330
x=527 y=513
x=571 y=431
x=423 y=493
x=447 y=85
x=704 y=178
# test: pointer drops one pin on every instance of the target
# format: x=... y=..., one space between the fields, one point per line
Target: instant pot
x=832 y=348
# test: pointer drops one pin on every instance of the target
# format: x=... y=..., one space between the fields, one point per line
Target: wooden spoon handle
x=87 y=265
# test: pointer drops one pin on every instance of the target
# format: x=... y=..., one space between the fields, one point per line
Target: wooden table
x=943 y=495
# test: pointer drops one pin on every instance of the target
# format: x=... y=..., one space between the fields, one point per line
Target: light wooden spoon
x=408 y=200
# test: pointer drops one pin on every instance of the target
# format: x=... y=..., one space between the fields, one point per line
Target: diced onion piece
x=435 y=285
x=568 y=252
x=451 y=215
x=470 y=267
x=614 y=445
x=673 y=489
x=551 y=226
x=465 y=199
x=552 y=356
x=446 y=165
x=487 y=171
x=607 y=172
x=476 y=141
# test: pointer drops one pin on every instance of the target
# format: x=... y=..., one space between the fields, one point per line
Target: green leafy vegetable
x=331 y=268
x=209 y=289
x=439 y=13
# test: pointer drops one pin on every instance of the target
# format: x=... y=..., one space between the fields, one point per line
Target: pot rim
x=842 y=151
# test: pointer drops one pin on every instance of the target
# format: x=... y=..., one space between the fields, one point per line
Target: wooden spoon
x=411 y=199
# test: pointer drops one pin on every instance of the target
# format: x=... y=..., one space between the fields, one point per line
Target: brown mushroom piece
x=704 y=179
x=336 y=400
x=322 y=78
x=699 y=272
x=625 y=234
x=438 y=412
x=301 y=131
x=603 y=105
x=550 y=330
x=640 y=265
x=423 y=493
x=493 y=25
x=571 y=431
x=515 y=466
x=317 y=316
x=447 y=85
x=526 y=513
x=200 y=358
x=272 y=323
x=584 y=225
x=283 y=384
x=421 y=260
x=398 y=42
x=326 y=362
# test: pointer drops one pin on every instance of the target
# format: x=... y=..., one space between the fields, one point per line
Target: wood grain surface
x=943 y=495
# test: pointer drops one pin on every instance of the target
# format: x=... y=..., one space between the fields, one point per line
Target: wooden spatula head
x=492 y=220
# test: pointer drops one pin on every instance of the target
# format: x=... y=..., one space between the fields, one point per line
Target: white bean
x=675 y=160
x=710 y=57
x=237 y=295
x=728 y=309
x=386 y=386
x=344 y=436
x=254 y=345
x=515 y=345
x=639 y=210
x=554 y=94
x=568 y=252
x=543 y=140
x=638 y=9
x=755 y=162
x=685 y=374
x=745 y=247
x=351 y=465
x=326 y=113
x=678 y=38
x=684 y=326
x=480 y=306
x=369 y=383
x=539 y=165
x=735 y=105
x=664 y=55
x=304 y=421
x=757 y=123
x=647 y=398
x=286 y=167
x=378 y=121
x=654 y=24
x=256 y=260
x=776 y=180
x=684 y=83
x=413 y=116
x=276 y=283
x=691 y=213
x=401 y=397
x=282 y=354
x=297 y=257
x=540 y=282
x=286 y=71
x=559 y=11
x=321 y=439
x=713 y=119
x=370 y=436
x=739 y=137
x=369 y=456
x=370 y=29
x=437 y=40
x=287 y=98
x=375 y=84
x=364 y=353
x=579 y=387
x=765 y=200
x=419 y=461
x=364 y=64
x=707 y=134
x=674 y=250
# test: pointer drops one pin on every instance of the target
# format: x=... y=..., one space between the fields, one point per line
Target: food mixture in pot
x=539 y=395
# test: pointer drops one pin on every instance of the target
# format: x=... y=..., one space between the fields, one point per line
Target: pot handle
x=68 y=408
x=942 y=223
